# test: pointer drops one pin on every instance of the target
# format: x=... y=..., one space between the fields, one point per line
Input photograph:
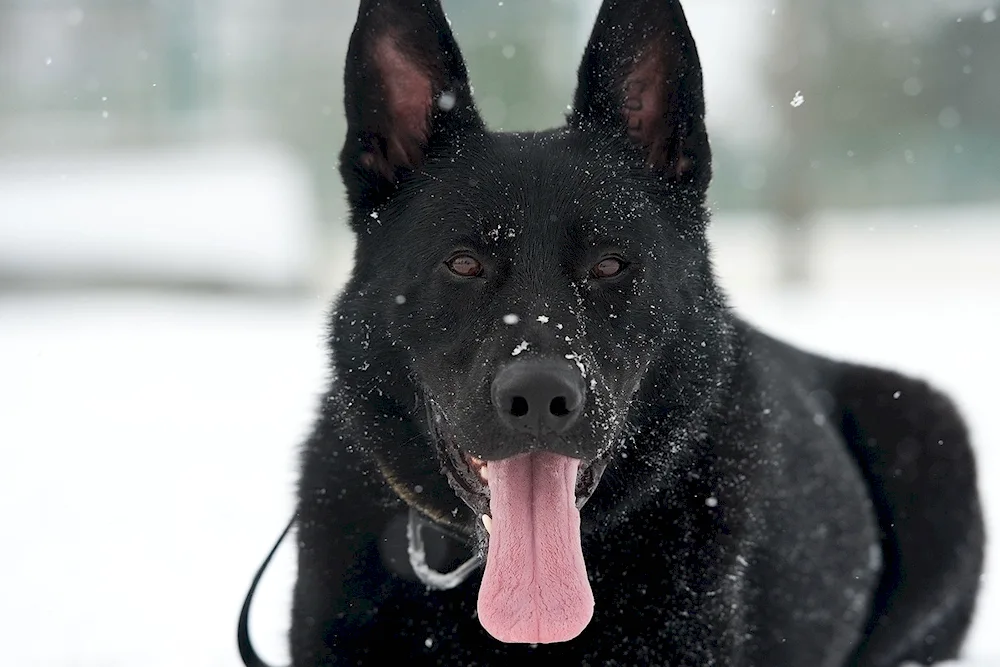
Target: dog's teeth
x=484 y=472
x=488 y=524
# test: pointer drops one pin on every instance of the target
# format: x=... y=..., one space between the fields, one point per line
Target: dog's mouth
x=535 y=587
x=469 y=475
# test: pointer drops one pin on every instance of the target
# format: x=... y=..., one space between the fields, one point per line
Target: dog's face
x=527 y=283
x=543 y=276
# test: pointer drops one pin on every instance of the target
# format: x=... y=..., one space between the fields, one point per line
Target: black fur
x=761 y=506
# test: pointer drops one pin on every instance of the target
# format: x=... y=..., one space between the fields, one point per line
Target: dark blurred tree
x=795 y=60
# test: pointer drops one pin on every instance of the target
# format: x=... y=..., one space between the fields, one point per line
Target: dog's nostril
x=558 y=406
x=519 y=406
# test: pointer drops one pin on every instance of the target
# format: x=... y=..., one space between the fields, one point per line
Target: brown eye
x=465 y=266
x=609 y=267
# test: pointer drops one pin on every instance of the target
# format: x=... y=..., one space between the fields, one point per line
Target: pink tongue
x=535 y=588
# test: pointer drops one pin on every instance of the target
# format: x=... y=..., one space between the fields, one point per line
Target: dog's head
x=533 y=295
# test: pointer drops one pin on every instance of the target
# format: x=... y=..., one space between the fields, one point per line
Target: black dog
x=532 y=327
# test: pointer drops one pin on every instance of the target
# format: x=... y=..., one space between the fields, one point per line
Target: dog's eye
x=609 y=267
x=465 y=266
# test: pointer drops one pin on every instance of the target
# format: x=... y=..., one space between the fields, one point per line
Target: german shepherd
x=548 y=440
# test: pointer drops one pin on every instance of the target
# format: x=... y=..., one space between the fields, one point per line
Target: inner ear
x=655 y=114
x=408 y=92
x=641 y=76
x=645 y=97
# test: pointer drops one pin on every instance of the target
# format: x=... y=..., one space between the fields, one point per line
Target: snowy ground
x=147 y=448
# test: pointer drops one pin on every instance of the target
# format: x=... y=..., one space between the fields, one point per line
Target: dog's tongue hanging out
x=535 y=587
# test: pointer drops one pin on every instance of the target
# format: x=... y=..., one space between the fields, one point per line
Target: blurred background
x=172 y=229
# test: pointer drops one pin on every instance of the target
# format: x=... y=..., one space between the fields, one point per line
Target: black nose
x=538 y=396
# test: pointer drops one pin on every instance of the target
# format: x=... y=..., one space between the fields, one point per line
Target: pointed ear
x=641 y=76
x=405 y=85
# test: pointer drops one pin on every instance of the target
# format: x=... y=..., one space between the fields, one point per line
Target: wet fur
x=762 y=506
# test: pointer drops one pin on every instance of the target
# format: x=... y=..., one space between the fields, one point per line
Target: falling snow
x=447 y=101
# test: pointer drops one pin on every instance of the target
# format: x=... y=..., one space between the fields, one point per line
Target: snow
x=149 y=438
x=147 y=462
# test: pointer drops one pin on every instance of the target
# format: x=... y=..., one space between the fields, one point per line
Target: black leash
x=247 y=652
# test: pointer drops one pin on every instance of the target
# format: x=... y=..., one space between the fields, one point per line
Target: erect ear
x=405 y=85
x=641 y=75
